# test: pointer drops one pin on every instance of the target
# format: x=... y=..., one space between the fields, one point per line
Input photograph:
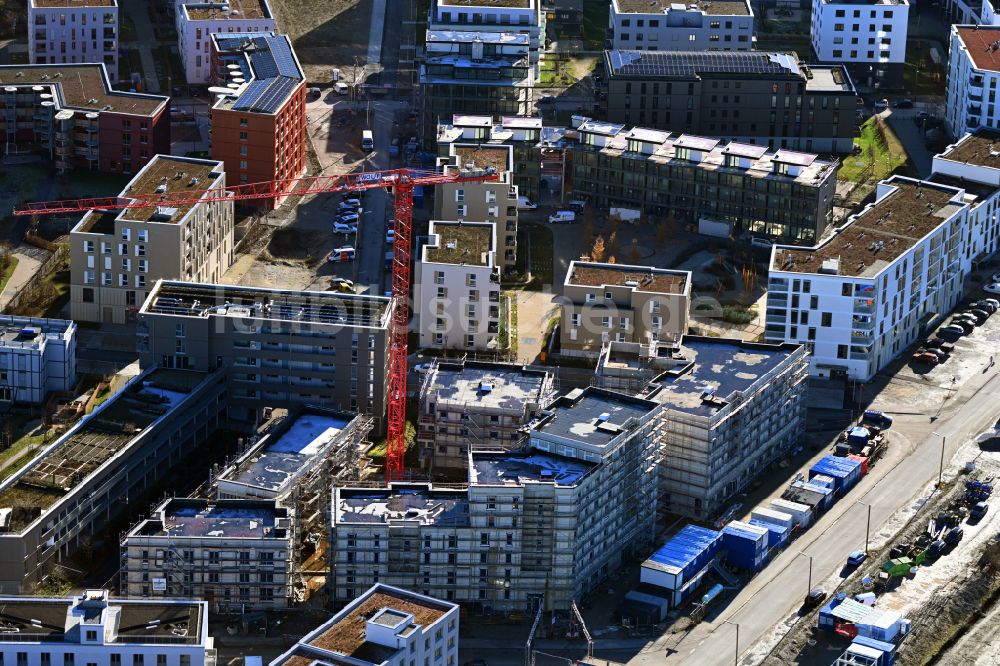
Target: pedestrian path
x=136 y=10
x=27 y=265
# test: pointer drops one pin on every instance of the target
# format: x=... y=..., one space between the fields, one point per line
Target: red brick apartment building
x=71 y=113
x=259 y=129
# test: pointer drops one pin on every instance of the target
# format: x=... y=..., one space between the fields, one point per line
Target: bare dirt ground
x=325 y=33
x=293 y=259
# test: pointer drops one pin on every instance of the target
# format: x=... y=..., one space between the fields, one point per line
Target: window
x=827 y=319
x=484 y=539
x=88 y=246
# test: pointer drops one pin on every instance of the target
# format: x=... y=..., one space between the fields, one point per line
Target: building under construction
x=69 y=493
x=235 y=554
x=510 y=539
x=472 y=405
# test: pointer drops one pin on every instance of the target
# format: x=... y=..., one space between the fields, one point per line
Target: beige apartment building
x=605 y=303
x=282 y=348
x=235 y=554
x=492 y=201
x=117 y=256
x=457 y=287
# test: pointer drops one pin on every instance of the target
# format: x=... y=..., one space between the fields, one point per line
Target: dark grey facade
x=758 y=97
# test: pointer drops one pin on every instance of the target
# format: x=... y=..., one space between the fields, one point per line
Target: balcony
x=975 y=86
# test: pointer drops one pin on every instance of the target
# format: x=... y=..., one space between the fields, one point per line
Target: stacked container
x=845 y=472
x=746 y=545
x=680 y=564
x=861 y=459
x=800 y=513
x=817 y=496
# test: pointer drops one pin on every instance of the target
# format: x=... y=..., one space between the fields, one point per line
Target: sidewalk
x=27 y=265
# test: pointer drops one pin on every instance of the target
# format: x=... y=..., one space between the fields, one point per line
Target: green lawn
x=595 y=23
x=7 y=272
x=555 y=73
x=888 y=156
x=921 y=76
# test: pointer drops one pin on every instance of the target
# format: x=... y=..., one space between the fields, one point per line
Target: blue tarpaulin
x=689 y=550
x=845 y=471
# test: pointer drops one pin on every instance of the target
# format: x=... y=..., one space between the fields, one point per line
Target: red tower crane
x=400 y=181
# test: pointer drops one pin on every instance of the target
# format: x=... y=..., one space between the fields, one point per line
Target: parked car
x=905 y=103
x=935 y=343
x=979 y=315
x=347 y=208
x=815 y=597
x=344 y=228
x=926 y=358
x=348 y=218
x=881 y=104
x=951 y=331
x=877 y=418
x=966 y=325
x=343 y=284
x=941 y=354
x=422 y=368
x=992 y=301
x=390 y=236
x=992 y=288
x=985 y=305
x=577 y=205
x=978 y=510
x=345 y=253
x=350 y=203
x=524 y=203
x=995 y=277
x=856 y=558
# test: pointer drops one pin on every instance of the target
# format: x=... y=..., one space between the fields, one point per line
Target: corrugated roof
x=777 y=528
x=850 y=610
x=745 y=530
x=686 y=546
x=834 y=466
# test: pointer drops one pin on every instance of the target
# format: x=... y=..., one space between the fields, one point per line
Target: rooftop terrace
x=417 y=502
x=640 y=278
x=510 y=387
x=237 y=10
x=512 y=469
x=176 y=622
x=591 y=416
x=228 y=519
x=483 y=157
x=715 y=369
x=175 y=175
x=189 y=299
x=712 y=7
x=877 y=236
x=93 y=442
x=468 y=243
x=294 y=448
x=29 y=332
x=345 y=633
x=82 y=87
x=981 y=148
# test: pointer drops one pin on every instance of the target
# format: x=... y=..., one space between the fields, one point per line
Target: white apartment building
x=96 y=630
x=457 y=287
x=36 y=356
x=235 y=554
x=384 y=626
x=868 y=36
x=973 y=73
x=196 y=21
x=973 y=164
x=971 y=12
x=116 y=257
x=663 y=25
x=512 y=540
x=881 y=281
x=76 y=31
x=517 y=16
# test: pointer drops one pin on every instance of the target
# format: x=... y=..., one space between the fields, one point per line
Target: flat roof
x=83 y=87
x=518 y=4
x=601 y=127
x=300 y=440
x=521 y=122
x=712 y=7
x=794 y=157
x=511 y=387
x=592 y=416
x=73 y=4
x=192 y=299
x=483 y=157
x=647 y=135
x=714 y=370
x=747 y=150
x=512 y=469
x=236 y=10
x=466 y=120
x=95 y=440
x=640 y=278
x=880 y=234
x=268 y=65
x=466 y=243
x=175 y=622
x=828 y=78
x=450 y=36
x=230 y=519
x=979 y=42
x=981 y=148
x=23 y=332
x=421 y=503
x=177 y=175
x=344 y=634
x=691 y=64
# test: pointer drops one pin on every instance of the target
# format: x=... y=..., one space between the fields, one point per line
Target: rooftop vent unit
x=631 y=283
x=830 y=266
x=164 y=213
x=485 y=387
x=161 y=188
x=192 y=182
x=603 y=417
x=451 y=244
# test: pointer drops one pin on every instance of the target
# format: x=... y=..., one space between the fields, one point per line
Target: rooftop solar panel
x=264 y=66
x=276 y=93
x=250 y=95
x=283 y=58
x=692 y=63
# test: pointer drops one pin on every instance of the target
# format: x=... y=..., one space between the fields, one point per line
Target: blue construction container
x=858 y=436
x=745 y=545
x=826 y=492
x=679 y=560
x=777 y=535
x=845 y=472
x=888 y=648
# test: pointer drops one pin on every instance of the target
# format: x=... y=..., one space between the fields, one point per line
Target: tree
x=613 y=242
x=612 y=260
x=598 y=251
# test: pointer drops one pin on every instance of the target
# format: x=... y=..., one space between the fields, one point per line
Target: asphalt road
x=780 y=588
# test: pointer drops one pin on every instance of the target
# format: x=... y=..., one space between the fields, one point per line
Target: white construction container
x=801 y=513
x=772 y=517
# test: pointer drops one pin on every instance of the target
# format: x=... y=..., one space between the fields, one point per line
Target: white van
x=562 y=217
x=341 y=88
x=367 y=140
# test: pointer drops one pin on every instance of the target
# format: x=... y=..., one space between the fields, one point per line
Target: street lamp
x=868 y=527
x=809 y=589
x=941 y=465
x=736 y=657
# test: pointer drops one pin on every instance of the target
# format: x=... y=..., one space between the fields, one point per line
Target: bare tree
x=598 y=251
